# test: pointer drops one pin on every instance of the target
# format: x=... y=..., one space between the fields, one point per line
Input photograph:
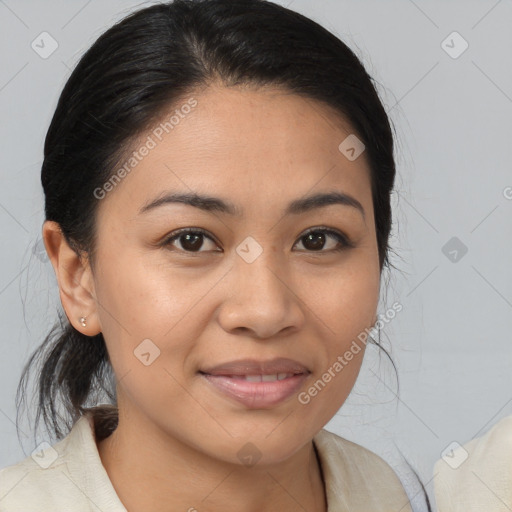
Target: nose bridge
x=256 y=267
x=259 y=298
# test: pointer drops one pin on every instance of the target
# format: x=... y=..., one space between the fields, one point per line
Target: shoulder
x=65 y=476
x=25 y=488
x=38 y=482
x=352 y=470
x=478 y=475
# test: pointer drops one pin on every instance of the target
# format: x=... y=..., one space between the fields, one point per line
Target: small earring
x=83 y=321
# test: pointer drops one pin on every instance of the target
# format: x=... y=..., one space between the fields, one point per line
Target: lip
x=256 y=395
x=256 y=367
x=227 y=378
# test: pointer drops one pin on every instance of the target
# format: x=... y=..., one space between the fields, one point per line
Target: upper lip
x=255 y=367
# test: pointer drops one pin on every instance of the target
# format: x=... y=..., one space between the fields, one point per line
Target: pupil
x=195 y=244
x=318 y=245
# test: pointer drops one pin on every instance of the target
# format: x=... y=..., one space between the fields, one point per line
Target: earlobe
x=74 y=277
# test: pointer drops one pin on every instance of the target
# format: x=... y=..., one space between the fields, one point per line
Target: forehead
x=264 y=145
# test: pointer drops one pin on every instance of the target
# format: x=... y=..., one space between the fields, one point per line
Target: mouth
x=255 y=368
x=256 y=384
x=272 y=377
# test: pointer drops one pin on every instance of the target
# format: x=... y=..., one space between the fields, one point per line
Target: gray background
x=451 y=341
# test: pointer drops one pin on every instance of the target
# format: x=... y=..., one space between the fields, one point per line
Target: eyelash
x=345 y=242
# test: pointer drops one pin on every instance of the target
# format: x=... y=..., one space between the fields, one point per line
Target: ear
x=74 y=276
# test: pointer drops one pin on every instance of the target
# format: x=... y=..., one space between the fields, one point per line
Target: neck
x=163 y=474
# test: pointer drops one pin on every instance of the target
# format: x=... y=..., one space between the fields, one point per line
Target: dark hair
x=126 y=81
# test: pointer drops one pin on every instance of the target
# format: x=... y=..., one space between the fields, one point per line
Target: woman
x=217 y=180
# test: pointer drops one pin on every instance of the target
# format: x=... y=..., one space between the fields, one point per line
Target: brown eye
x=316 y=239
x=321 y=240
x=190 y=240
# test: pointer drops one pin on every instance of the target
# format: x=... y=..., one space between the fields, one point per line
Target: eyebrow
x=215 y=204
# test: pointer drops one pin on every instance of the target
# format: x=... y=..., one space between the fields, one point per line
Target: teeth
x=253 y=378
x=266 y=378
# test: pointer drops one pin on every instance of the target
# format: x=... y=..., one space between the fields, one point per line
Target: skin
x=177 y=441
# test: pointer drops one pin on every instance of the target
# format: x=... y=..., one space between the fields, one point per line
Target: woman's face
x=252 y=286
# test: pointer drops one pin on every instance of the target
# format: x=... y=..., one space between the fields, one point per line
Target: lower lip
x=256 y=395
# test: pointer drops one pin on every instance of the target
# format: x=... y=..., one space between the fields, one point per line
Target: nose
x=261 y=298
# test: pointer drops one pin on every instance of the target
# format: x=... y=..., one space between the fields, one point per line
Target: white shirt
x=356 y=479
x=477 y=476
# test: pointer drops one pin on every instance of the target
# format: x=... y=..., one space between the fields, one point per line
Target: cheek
x=149 y=310
x=327 y=393
x=141 y=300
x=345 y=307
x=345 y=301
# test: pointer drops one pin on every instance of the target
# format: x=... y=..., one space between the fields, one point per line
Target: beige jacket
x=357 y=480
x=477 y=476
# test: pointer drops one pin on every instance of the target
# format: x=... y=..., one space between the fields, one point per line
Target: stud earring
x=83 y=321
